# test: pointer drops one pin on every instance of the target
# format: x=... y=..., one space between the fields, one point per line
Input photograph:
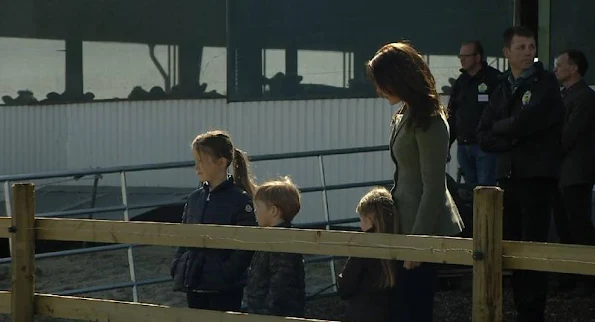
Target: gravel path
x=455 y=306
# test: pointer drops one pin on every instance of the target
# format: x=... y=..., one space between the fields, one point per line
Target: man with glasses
x=469 y=97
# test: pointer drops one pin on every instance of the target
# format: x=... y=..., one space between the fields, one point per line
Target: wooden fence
x=487 y=253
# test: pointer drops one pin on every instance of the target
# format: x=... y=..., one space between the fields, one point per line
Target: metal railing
x=126 y=207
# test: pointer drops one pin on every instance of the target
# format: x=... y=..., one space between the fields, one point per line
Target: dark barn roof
x=314 y=25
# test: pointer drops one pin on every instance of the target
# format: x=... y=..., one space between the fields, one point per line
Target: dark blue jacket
x=214 y=269
x=468 y=99
x=523 y=125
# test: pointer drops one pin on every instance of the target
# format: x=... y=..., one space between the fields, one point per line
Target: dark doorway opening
x=528 y=15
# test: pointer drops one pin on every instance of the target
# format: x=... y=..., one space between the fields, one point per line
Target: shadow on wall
x=446 y=89
x=26 y=97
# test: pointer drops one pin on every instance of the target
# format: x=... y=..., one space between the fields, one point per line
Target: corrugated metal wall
x=78 y=136
x=33 y=138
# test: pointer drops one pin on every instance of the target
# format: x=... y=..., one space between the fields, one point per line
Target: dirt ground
x=94 y=269
x=85 y=270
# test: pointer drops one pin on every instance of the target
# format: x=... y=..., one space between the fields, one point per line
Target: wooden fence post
x=23 y=252
x=487 y=254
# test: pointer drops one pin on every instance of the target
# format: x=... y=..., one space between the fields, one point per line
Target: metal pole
x=264 y=68
x=327 y=218
x=94 y=193
x=8 y=207
x=175 y=66
x=169 y=66
x=93 y=198
x=344 y=69
x=130 y=254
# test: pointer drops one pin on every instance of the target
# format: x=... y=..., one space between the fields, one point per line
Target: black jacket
x=358 y=284
x=524 y=127
x=578 y=136
x=207 y=269
x=467 y=101
x=276 y=283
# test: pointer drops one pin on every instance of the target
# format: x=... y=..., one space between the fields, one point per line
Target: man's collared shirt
x=514 y=83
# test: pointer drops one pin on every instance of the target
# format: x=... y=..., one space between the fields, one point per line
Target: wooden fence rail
x=487 y=253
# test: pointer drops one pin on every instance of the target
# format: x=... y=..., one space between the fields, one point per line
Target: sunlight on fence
x=487 y=253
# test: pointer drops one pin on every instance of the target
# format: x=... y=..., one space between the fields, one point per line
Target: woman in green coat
x=419 y=145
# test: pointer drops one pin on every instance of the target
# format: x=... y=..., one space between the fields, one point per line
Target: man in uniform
x=469 y=97
x=523 y=125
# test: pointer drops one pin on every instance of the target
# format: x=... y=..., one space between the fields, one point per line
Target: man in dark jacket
x=523 y=125
x=469 y=97
x=577 y=173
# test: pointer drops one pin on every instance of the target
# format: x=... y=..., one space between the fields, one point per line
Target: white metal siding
x=78 y=136
x=33 y=138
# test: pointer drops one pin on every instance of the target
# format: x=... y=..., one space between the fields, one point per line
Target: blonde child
x=367 y=283
x=276 y=283
x=213 y=279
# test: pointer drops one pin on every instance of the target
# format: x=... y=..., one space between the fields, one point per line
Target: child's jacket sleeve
x=239 y=260
x=348 y=281
x=179 y=250
x=286 y=292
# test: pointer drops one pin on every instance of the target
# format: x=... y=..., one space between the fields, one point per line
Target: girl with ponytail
x=213 y=279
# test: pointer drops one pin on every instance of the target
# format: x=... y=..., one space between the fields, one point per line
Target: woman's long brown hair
x=398 y=69
x=378 y=205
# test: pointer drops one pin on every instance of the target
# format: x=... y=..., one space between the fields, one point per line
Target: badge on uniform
x=248 y=208
x=481 y=89
x=526 y=98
